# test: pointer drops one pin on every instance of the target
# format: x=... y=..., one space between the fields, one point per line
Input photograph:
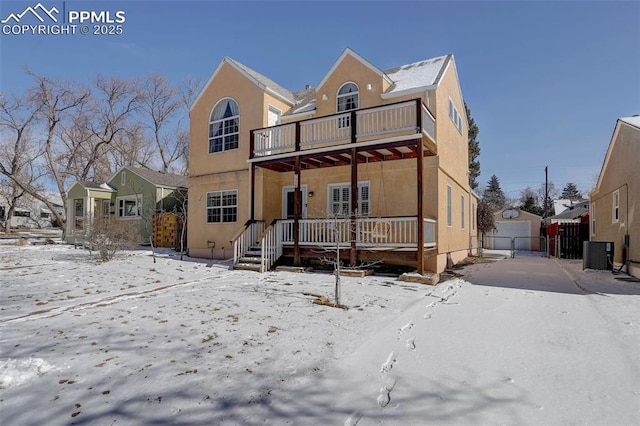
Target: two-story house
x=373 y=161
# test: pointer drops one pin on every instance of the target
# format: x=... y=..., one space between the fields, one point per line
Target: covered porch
x=400 y=131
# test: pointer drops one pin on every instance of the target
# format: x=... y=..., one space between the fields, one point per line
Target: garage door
x=513 y=228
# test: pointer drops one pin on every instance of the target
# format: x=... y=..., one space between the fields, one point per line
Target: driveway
x=524 y=341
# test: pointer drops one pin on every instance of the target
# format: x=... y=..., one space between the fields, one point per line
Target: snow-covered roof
x=634 y=121
x=416 y=75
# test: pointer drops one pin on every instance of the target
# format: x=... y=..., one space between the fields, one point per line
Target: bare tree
x=161 y=104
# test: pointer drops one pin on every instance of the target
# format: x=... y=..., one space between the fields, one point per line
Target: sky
x=545 y=81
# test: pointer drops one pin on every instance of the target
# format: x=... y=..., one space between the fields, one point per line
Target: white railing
x=428 y=123
x=274 y=140
x=247 y=237
x=271 y=246
x=335 y=128
x=386 y=119
x=429 y=232
x=379 y=232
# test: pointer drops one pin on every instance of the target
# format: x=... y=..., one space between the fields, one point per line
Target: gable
x=350 y=55
x=621 y=159
x=255 y=78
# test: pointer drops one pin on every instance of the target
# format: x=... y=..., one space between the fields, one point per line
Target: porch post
x=420 y=173
x=252 y=173
x=252 y=178
x=353 y=259
x=297 y=200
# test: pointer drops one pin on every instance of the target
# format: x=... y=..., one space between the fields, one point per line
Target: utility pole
x=546 y=191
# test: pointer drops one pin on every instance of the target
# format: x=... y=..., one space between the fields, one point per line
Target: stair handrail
x=271 y=246
x=245 y=237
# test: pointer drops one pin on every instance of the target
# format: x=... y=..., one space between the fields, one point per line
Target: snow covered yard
x=519 y=341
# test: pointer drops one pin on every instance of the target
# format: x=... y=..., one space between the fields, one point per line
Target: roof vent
x=307 y=86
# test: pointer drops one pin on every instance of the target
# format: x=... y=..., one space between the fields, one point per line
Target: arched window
x=224 y=126
x=348 y=97
x=347 y=101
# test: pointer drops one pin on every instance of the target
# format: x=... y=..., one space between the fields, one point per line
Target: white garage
x=515 y=223
x=511 y=229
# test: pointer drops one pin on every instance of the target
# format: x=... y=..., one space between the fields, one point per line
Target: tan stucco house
x=372 y=160
x=131 y=194
x=616 y=198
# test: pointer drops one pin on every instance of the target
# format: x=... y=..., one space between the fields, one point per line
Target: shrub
x=107 y=235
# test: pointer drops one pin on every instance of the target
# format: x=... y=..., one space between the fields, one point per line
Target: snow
x=415 y=75
x=131 y=342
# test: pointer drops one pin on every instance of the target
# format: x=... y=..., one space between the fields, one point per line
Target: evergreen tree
x=570 y=192
x=474 y=149
x=494 y=195
x=529 y=202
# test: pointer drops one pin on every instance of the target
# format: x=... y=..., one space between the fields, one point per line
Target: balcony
x=379 y=133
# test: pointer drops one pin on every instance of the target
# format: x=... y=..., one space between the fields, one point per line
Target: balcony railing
x=391 y=120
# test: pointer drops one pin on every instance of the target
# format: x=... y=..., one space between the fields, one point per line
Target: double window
x=339 y=202
x=224 y=126
x=130 y=206
x=348 y=99
x=222 y=206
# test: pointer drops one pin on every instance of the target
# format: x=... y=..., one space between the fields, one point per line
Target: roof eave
x=410 y=91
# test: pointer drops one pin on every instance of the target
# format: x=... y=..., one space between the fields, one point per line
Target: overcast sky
x=545 y=81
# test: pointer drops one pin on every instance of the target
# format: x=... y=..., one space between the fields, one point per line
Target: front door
x=288 y=204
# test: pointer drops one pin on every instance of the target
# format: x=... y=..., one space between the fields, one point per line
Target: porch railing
x=379 y=232
x=271 y=246
x=246 y=237
x=334 y=130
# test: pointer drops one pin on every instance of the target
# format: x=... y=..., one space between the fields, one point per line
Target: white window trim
x=593 y=218
x=449 y=206
x=361 y=184
x=123 y=178
x=135 y=197
x=223 y=120
x=339 y=96
x=108 y=204
x=455 y=116
x=222 y=221
x=615 y=206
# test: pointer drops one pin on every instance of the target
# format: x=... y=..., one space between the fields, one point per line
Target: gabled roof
x=634 y=122
x=258 y=79
x=93 y=185
x=574 y=212
x=168 y=180
x=305 y=102
x=349 y=52
x=419 y=75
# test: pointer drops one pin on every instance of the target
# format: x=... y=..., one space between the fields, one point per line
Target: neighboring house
x=519 y=226
x=374 y=161
x=132 y=193
x=30 y=213
x=577 y=212
x=615 y=201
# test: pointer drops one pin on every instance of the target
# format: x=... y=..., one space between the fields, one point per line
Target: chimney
x=307 y=86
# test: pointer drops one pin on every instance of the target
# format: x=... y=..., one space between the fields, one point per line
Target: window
x=593 y=218
x=21 y=213
x=123 y=178
x=224 y=126
x=339 y=202
x=348 y=97
x=106 y=207
x=455 y=116
x=449 y=206
x=222 y=206
x=45 y=215
x=615 y=214
x=130 y=206
x=462 y=211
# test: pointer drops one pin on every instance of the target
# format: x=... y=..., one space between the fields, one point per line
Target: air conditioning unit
x=597 y=255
